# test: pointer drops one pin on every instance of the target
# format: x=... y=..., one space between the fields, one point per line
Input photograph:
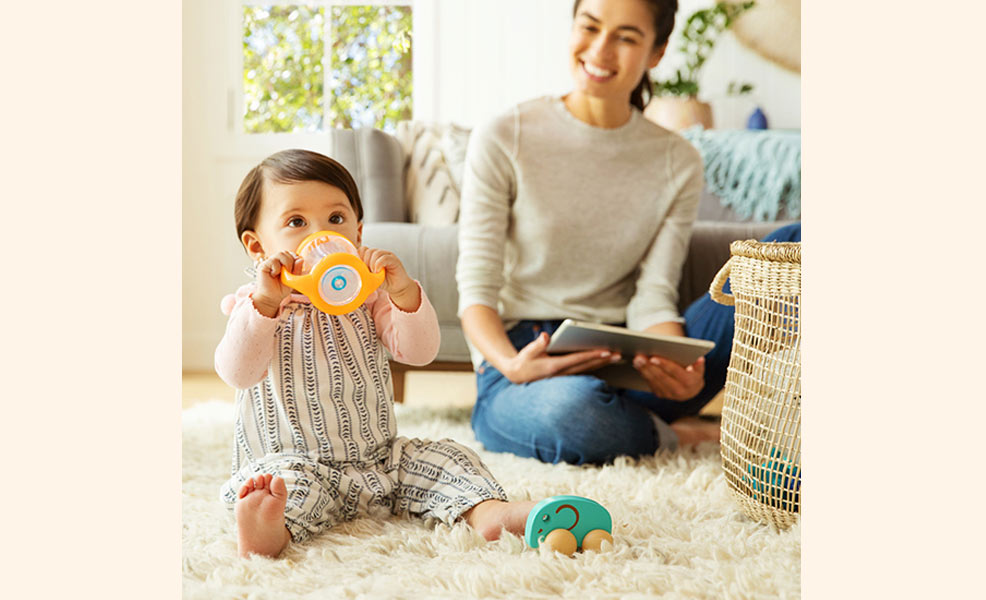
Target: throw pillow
x=433 y=157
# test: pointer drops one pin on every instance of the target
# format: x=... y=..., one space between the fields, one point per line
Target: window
x=319 y=65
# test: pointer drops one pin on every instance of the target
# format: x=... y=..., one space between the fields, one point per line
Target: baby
x=315 y=440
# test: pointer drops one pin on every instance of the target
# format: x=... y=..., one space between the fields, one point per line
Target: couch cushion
x=429 y=254
x=708 y=251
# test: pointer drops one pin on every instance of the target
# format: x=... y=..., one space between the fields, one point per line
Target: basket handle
x=715 y=288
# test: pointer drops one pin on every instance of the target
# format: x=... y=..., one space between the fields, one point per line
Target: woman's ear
x=252 y=245
x=656 y=56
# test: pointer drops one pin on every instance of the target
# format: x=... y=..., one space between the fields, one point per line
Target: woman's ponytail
x=642 y=93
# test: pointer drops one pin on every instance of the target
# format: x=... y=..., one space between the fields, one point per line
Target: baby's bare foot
x=693 y=431
x=260 y=516
x=491 y=517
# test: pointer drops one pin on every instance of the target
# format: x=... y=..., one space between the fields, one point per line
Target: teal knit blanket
x=756 y=173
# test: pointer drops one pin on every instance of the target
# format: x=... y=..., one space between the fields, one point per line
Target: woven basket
x=761 y=415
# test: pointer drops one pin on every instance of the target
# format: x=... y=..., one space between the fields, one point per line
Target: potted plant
x=674 y=103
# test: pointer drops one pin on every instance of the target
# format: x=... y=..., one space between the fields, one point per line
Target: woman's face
x=611 y=47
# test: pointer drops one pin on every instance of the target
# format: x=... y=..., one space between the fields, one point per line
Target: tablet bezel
x=573 y=336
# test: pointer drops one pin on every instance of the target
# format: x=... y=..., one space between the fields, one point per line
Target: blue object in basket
x=776 y=482
x=574 y=513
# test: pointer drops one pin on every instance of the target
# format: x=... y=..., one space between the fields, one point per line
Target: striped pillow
x=434 y=154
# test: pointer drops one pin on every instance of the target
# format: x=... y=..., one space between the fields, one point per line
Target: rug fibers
x=677 y=533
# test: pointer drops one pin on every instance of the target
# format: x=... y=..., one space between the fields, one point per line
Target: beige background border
x=892 y=369
x=892 y=339
x=91 y=231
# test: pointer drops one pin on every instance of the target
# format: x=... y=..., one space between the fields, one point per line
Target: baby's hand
x=402 y=289
x=270 y=290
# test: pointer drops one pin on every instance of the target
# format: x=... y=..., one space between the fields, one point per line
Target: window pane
x=282 y=68
x=370 y=79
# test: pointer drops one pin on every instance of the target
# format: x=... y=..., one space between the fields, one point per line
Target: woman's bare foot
x=260 y=516
x=491 y=517
x=693 y=431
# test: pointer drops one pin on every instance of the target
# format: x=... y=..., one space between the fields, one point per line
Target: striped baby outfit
x=314 y=406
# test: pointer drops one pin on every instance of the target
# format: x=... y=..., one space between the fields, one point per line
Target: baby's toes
x=247 y=488
x=278 y=489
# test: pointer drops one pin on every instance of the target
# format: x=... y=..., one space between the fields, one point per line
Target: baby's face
x=290 y=212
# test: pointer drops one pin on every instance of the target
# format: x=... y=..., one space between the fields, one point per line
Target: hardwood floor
x=438 y=388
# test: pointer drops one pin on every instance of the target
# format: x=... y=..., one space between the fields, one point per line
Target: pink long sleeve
x=245 y=352
x=246 y=349
x=411 y=337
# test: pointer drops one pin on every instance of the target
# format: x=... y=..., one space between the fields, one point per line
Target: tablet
x=572 y=336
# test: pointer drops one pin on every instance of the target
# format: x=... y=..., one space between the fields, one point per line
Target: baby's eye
x=296 y=222
x=336 y=219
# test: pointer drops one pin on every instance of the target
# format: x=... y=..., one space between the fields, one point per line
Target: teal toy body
x=574 y=513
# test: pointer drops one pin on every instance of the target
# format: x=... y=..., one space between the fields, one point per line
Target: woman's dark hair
x=290 y=166
x=663 y=13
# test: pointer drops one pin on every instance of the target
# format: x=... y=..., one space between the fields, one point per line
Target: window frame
x=236 y=141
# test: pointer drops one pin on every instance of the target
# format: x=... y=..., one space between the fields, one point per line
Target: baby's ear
x=251 y=243
x=359 y=234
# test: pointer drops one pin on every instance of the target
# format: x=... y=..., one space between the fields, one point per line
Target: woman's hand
x=402 y=289
x=270 y=290
x=670 y=380
x=533 y=362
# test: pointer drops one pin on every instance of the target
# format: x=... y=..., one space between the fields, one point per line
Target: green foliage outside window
x=282 y=70
x=371 y=66
x=367 y=67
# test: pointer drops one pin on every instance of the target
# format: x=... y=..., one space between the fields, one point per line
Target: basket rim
x=786 y=252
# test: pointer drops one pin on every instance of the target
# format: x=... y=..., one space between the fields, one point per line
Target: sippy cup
x=337 y=281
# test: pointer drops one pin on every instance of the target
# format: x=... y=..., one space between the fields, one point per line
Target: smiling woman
x=578 y=207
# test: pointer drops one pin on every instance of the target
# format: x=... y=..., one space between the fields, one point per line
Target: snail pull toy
x=337 y=281
x=568 y=523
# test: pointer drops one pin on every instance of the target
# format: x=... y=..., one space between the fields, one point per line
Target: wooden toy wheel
x=594 y=539
x=561 y=540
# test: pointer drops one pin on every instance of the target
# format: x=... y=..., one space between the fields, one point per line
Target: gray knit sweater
x=562 y=219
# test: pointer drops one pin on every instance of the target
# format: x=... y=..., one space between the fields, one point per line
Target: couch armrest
x=429 y=253
x=709 y=251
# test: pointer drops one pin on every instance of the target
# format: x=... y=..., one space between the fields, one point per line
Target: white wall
x=473 y=59
x=490 y=55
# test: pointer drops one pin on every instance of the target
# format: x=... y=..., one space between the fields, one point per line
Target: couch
x=380 y=165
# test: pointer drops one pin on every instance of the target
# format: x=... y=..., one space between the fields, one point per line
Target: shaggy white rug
x=677 y=533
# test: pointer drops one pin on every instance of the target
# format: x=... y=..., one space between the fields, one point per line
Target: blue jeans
x=579 y=418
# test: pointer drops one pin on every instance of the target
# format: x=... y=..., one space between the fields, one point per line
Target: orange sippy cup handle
x=301 y=283
x=377 y=278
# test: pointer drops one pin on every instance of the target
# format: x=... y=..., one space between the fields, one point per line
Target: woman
x=579 y=207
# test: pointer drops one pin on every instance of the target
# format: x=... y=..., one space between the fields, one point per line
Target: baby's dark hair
x=290 y=166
